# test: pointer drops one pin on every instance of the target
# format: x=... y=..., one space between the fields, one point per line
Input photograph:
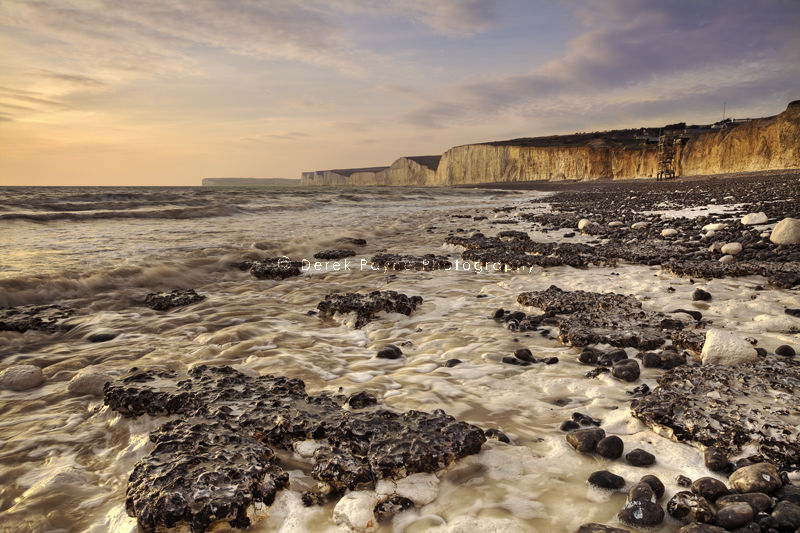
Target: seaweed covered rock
x=366 y=306
x=592 y=318
x=49 y=318
x=161 y=301
x=272 y=268
x=339 y=253
x=410 y=262
x=730 y=407
x=215 y=461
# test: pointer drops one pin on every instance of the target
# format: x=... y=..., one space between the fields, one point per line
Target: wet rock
x=588 y=356
x=709 y=488
x=355 y=511
x=639 y=457
x=339 y=253
x=161 y=301
x=701 y=295
x=787 y=231
x=734 y=515
x=670 y=359
x=688 y=507
x=585 y=420
x=593 y=527
x=352 y=241
x=49 y=318
x=585 y=440
x=273 y=268
x=697 y=315
x=704 y=404
x=550 y=360
x=612 y=357
x=410 y=262
x=683 y=481
x=792 y=312
x=610 y=447
x=606 y=480
x=651 y=360
x=450 y=363
x=626 y=370
x=362 y=399
x=102 y=336
x=367 y=306
x=640 y=391
x=760 y=477
x=642 y=491
x=689 y=339
x=731 y=248
x=759 y=501
x=789 y=493
x=420 y=488
x=641 y=513
x=752 y=219
x=496 y=434
x=785 y=350
x=89 y=380
x=385 y=510
x=229 y=420
x=715 y=459
x=390 y=351
x=724 y=348
x=524 y=354
x=787 y=515
x=655 y=484
x=21 y=377
x=569 y=425
x=698 y=527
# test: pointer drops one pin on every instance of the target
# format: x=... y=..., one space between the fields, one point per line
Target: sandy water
x=65 y=459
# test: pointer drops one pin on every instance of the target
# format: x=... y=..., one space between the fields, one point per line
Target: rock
x=639 y=225
x=609 y=358
x=352 y=241
x=731 y=248
x=752 y=219
x=688 y=507
x=683 y=481
x=585 y=440
x=785 y=350
x=718 y=226
x=697 y=315
x=606 y=480
x=585 y=420
x=715 y=459
x=760 y=477
x=669 y=232
x=709 y=488
x=610 y=447
x=569 y=425
x=641 y=513
x=700 y=295
x=362 y=399
x=272 y=268
x=583 y=223
x=697 y=527
x=639 y=457
x=367 y=306
x=410 y=262
x=787 y=515
x=496 y=434
x=102 y=336
x=787 y=231
x=161 y=301
x=550 y=360
x=89 y=380
x=642 y=491
x=789 y=493
x=670 y=359
x=651 y=360
x=726 y=259
x=420 y=488
x=626 y=370
x=734 y=515
x=724 y=348
x=340 y=253
x=386 y=510
x=390 y=351
x=355 y=511
x=21 y=377
x=67 y=366
x=524 y=354
x=48 y=318
x=759 y=501
x=593 y=527
x=615 y=224
x=655 y=484
x=450 y=363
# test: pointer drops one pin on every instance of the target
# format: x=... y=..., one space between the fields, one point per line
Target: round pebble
x=21 y=377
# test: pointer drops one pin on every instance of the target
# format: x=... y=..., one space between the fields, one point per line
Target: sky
x=155 y=92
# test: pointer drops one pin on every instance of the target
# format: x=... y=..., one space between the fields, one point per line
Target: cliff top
x=429 y=161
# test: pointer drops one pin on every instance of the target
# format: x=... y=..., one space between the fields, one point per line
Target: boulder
x=585 y=440
x=751 y=219
x=709 y=488
x=724 y=348
x=610 y=447
x=639 y=457
x=787 y=515
x=688 y=507
x=787 y=231
x=606 y=480
x=89 y=380
x=734 y=515
x=642 y=513
x=731 y=248
x=21 y=377
x=760 y=477
x=355 y=511
x=626 y=370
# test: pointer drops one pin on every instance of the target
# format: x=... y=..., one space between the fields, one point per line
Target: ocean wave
x=171 y=213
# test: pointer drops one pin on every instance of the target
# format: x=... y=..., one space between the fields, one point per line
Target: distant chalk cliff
x=250 y=182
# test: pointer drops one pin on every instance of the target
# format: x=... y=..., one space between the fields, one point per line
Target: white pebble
x=21 y=377
x=354 y=511
x=724 y=348
x=787 y=231
x=582 y=223
x=639 y=225
x=732 y=248
x=725 y=259
x=752 y=219
x=669 y=232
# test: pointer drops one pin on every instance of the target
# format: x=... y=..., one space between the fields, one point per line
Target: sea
x=65 y=458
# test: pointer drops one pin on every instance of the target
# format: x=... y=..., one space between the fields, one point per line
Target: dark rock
x=497 y=435
x=273 y=268
x=683 y=481
x=361 y=400
x=410 y=262
x=367 y=306
x=789 y=493
x=688 y=507
x=639 y=457
x=651 y=360
x=214 y=461
x=697 y=315
x=785 y=350
x=606 y=480
x=394 y=504
x=787 y=515
x=655 y=484
x=499 y=313
x=610 y=447
x=704 y=404
x=161 y=301
x=352 y=241
x=599 y=528
x=48 y=318
x=642 y=491
x=585 y=420
x=597 y=371
x=102 y=336
x=450 y=363
x=715 y=459
x=670 y=359
x=701 y=295
x=609 y=358
x=626 y=370
x=760 y=477
x=524 y=354
x=641 y=513
x=585 y=440
x=513 y=361
x=550 y=360
x=640 y=391
x=334 y=254
x=390 y=351
x=750 y=527
x=709 y=488
x=588 y=356
x=689 y=339
x=759 y=501
x=569 y=425
x=698 y=527
x=734 y=515
x=766 y=522
x=792 y=312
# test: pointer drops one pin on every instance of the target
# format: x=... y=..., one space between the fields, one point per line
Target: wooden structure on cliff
x=667 y=147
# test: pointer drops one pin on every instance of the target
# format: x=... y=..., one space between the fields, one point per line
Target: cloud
x=73 y=79
x=275 y=136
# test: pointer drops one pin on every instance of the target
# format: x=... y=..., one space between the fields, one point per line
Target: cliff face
x=410 y=171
